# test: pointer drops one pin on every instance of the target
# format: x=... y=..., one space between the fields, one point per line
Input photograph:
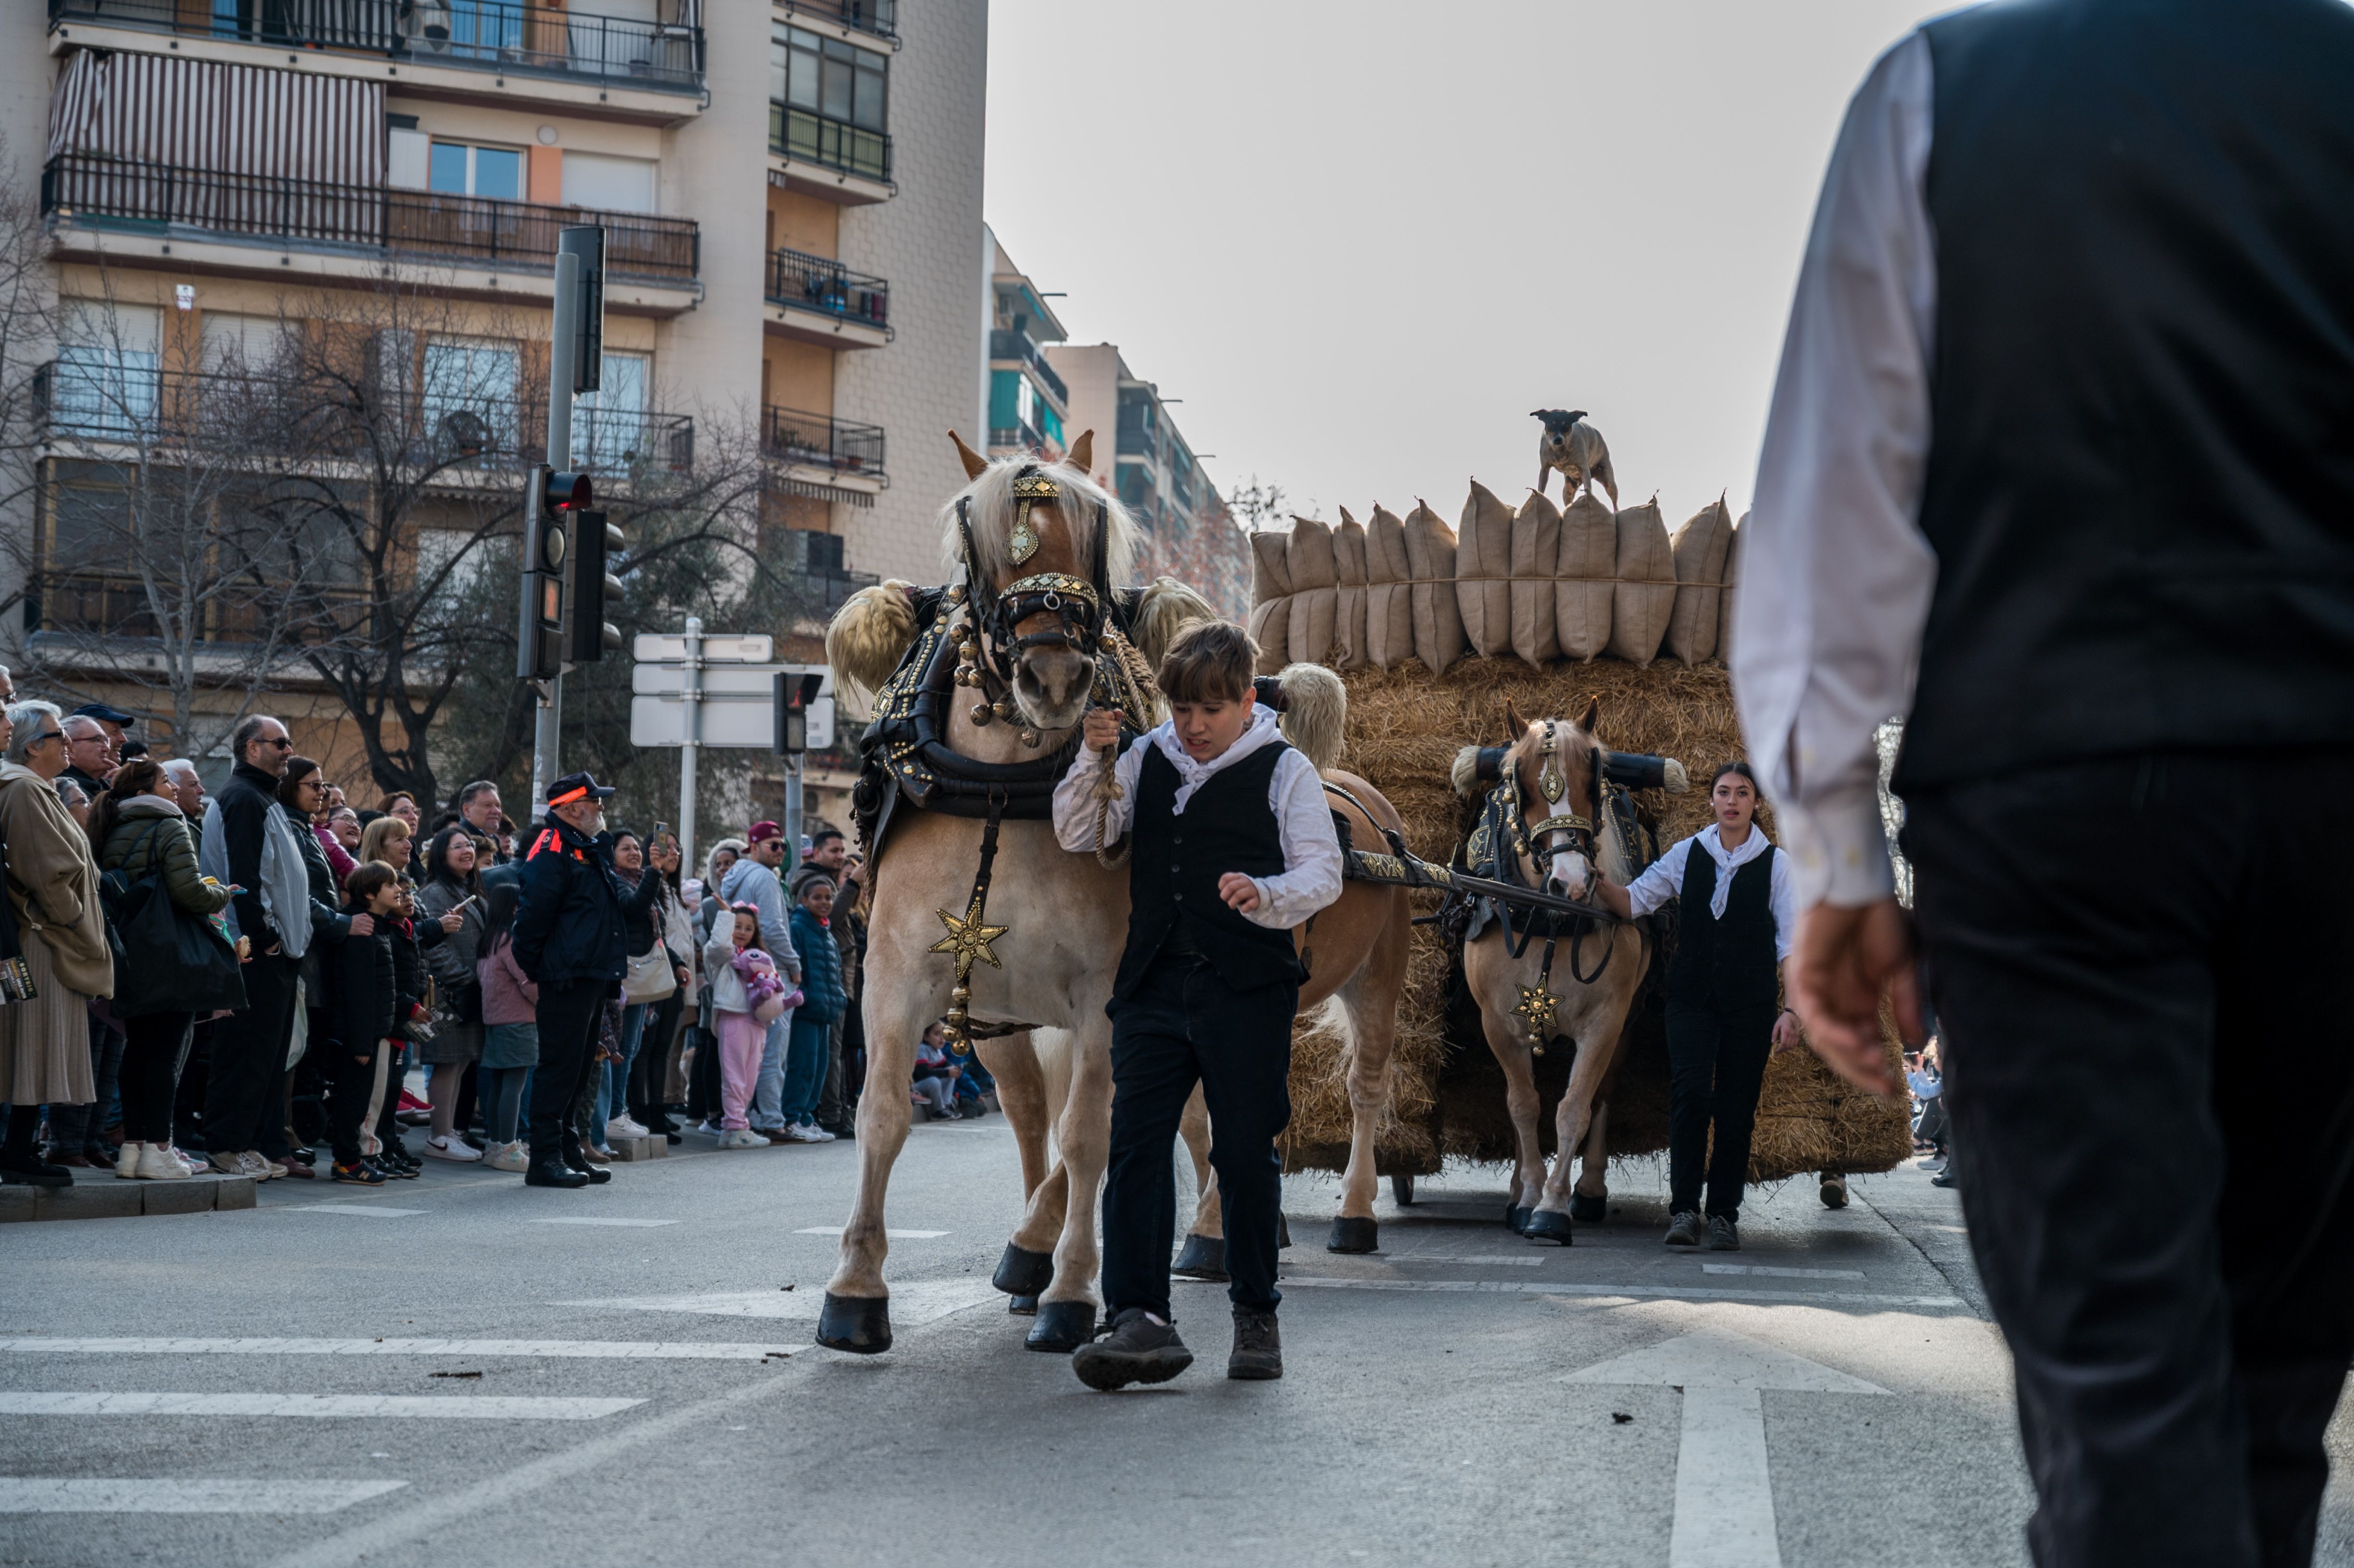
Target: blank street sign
x=750 y=647
x=661 y=720
x=720 y=681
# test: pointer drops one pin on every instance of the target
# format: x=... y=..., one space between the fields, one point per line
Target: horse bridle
x=1078 y=604
x=1552 y=784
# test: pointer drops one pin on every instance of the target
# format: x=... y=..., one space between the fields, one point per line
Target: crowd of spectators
x=244 y=981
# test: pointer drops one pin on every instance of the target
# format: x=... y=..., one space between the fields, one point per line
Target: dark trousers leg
x=150 y=1075
x=189 y=1097
x=1153 y=1071
x=1746 y=1041
x=2147 y=1063
x=396 y=1077
x=1242 y=1042
x=349 y=1078
x=703 y=1077
x=570 y=1017
x=248 y=1062
x=1693 y=1035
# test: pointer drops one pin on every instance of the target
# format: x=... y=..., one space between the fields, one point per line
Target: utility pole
x=690 y=700
x=580 y=326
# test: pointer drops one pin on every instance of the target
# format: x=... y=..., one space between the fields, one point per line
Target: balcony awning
x=227 y=118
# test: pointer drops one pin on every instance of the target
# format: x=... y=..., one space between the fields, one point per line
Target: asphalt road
x=501 y=1374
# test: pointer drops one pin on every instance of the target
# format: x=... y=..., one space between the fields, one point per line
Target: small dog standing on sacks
x=1232 y=845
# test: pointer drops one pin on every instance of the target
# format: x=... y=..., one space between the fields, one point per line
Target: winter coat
x=452 y=959
x=729 y=993
x=363 y=989
x=574 y=922
x=150 y=835
x=329 y=923
x=245 y=804
x=53 y=880
x=821 y=995
x=508 y=995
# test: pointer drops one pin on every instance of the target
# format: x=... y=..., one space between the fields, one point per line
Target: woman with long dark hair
x=138 y=830
x=452 y=881
x=1739 y=916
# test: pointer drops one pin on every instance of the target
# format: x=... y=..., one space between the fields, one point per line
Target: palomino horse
x=1576 y=984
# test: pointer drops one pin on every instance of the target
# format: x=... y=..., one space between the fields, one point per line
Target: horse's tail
x=868 y=636
x=1315 y=712
x=1162 y=611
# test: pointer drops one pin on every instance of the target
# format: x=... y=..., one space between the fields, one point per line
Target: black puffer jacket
x=363 y=989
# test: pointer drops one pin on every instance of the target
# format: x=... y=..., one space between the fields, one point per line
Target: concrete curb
x=111 y=1198
x=655 y=1147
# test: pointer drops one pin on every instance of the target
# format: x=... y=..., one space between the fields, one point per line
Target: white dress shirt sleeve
x=1076 y=803
x=1782 y=894
x=1835 y=575
x=1661 y=880
x=1311 y=850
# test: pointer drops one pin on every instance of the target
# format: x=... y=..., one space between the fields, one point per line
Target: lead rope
x=1108 y=789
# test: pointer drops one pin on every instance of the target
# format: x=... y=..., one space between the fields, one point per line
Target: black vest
x=1729 y=960
x=1172 y=875
x=2140 y=487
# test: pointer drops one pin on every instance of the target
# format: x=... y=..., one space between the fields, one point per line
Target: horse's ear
x=1082 y=455
x=1592 y=716
x=973 y=461
x=1515 y=725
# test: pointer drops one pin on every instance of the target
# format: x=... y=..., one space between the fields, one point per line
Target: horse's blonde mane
x=991 y=500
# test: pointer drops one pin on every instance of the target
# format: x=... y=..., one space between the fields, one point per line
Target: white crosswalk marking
x=366 y=1210
x=912 y=1302
x=1664 y=1292
x=895 y=1235
x=454 y=1407
x=1781 y=1273
x=580 y=1350
x=598 y=1220
x=37 y=1494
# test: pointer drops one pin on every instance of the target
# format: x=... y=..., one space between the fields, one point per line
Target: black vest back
x=1729 y=960
x=2140 y=486
x=1176 y=861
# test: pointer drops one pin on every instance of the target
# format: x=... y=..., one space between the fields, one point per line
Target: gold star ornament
x=1536 y=1010
x=968 y=938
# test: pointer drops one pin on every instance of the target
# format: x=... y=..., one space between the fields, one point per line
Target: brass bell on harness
x=1030 y=738
x=981 y=714
x=961 y=996
x=1004 y=709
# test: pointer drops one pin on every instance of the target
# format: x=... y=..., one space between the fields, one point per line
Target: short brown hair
x=361 y=885
x=1208 y=662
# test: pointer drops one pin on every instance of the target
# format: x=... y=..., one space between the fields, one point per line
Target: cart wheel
x=1402 y=1189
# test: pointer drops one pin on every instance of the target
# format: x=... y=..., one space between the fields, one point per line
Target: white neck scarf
x=1192 y=775
x=1729 y=861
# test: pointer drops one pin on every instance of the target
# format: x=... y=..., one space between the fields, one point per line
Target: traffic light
x=549 y=526
x=795 y=692
x=592 y=592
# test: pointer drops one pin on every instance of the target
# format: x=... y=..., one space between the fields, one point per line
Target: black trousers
x=1184 y=1024
x=81 y=1129
x=2138 y=969
x=650 y=1068
x=349 y=1072
x=570 y=1016
x=245 y=1098
x=151 y=1074
x=1716 y=1063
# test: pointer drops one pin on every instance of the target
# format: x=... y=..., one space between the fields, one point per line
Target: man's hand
x=1240 y=893
x=363 y=925
x=1842 y=962
x=1102 y=728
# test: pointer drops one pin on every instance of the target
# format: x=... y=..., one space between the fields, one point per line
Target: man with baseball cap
x=571 y=938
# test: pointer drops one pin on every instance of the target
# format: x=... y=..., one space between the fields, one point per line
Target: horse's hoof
x=1282 y=1229
x=1547 y=1225
x=1022 y=1272
x=859 y=1324
x=1354 y=1236
x=1021 y=1305
x=1402 y=1189
x=1202 y=1258
x=1588 y=1208
x=1834 y=1191
x=1516 y=1218
x=1062 y=1326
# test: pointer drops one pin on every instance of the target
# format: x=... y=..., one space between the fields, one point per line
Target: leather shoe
x=538 y=1175
x=598 y=1175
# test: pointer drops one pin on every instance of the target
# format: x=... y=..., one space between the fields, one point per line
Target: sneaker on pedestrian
x=1139 y=1349
x=627 y=1126
x=358 y=1173
x=292 y=1166
x=1257 y=1355
x=252 y=1163
x=228 y=1164
x=742 y=1138
x=1684 y=1228
x=812 y=1133
x=1723 y=1235
x=156 y=1162
x=126 y=1160
x=514 y=1156
x=192 y=1163
x=449 y=1148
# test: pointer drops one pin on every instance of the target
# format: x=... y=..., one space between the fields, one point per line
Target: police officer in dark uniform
x=570 y=938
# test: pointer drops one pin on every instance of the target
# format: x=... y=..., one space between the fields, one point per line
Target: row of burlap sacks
x=1538 y=582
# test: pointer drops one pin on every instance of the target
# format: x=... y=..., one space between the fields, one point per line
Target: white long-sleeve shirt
x=1836 y=575
x=1310 y=878
x=1664 y=879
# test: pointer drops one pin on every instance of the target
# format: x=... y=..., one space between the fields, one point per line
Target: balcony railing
x=161 y=199
x=823 y=441
x=1006 y=343
x=880 y=18
x=1019 y=435
x=240 y=414
x=503 y=35
x=836 y=143
x=1138 y=440
x=819 y=283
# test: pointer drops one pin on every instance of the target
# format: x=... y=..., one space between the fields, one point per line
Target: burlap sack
x=1699 y=549
x=1536 y=551
x=1349 y=564
x=1437 y=620
x=1270 y=631
x=1584 y=576
x=1270 y=577
x=1483 y=564
x=1732 y=576
x=1314 y=598
x=1644 y=596
x=1389 y=610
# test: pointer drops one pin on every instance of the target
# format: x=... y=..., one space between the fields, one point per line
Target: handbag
x=649 y=977
x=184 y=962
x=15 y=974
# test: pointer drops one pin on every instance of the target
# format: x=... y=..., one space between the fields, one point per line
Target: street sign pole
x=560 y=368
x=689 y=696
x=793 y=811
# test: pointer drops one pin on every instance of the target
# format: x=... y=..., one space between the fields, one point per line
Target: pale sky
x=1363 y=239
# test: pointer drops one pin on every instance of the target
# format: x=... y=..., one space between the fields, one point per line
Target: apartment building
x=790 y=190
x=1191 y=533
x=1028 y=403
